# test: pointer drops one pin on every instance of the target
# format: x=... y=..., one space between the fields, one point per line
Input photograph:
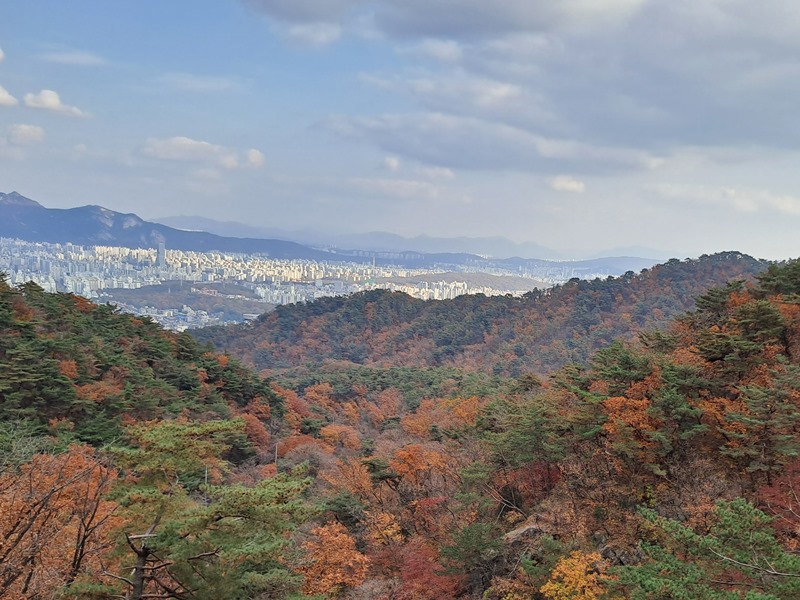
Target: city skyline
x=589 y=126
x=101 y=272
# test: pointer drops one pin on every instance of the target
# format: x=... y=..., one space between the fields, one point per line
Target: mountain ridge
x=501 y=335
x=92 y=225
x=383 y=241
x=96 y=225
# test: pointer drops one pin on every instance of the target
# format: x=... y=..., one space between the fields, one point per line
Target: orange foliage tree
x=341 y=435
x=55 y=526
x=332 y=561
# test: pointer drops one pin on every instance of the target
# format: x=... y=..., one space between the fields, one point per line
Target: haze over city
x=581 y=126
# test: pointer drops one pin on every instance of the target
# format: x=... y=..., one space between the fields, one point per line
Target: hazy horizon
x=578 y=127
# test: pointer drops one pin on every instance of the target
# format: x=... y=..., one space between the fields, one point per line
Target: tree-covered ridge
x=539 y=332
x=81 y=370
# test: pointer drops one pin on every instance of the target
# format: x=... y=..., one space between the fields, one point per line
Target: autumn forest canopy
x=628 y=438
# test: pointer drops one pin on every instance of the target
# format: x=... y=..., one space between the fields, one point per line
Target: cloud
x=565 y=183
x=409 y=189
x=77 y=58
x=468 y=143
x=50 y=100
x=304 y=11
x=461 y=93
x=314 y=34
x=254 y=158
x=2 y=55
x=477 y=18
x=392 y=163
x=650 y=75
x=188 y=150
x=6 y=99
x=454 y=18
x=437 y=173
x=187 y=82
x=25 y=135
x=445 y=51
x=743 y=200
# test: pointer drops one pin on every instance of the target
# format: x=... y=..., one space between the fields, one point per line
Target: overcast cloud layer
x=579 y=125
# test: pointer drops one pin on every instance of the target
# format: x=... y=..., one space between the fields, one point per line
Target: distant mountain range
x=26 y=219
x=381 y=241
x=23 y=218
x=378 y=241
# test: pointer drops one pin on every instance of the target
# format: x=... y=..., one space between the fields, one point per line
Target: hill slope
x=68 y=365
x=502 y=335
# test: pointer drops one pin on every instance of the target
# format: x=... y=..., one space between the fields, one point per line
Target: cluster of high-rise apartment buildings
x=88 y=270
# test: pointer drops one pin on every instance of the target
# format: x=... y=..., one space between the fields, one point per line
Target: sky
x=580 y=125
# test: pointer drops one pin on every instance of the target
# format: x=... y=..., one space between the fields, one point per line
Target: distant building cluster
x=440 y=290
x=88 y=270
x=176 y=319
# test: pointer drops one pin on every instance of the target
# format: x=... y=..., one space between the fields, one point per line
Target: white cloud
x=451 y=18
x=6 y=99
x=50 y=100
x=77 y=58
x=480 y=93
x=2 y=55
x=743 y=200
x=315 y=34
x=446 y=51
x=409 y=189
x=565 y=183
x=187 y=82
x=208 y=174
x=25 y=135
x=437 y=173
x=469 y=143
x=392 y=163
x=304 y=11
x=459 y=93
x=254 y=158
x=186 y=149
x=653 y=75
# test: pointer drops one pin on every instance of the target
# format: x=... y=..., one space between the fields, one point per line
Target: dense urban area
x=96 y=271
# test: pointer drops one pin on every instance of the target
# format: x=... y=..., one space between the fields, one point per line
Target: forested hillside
x=70 y=365
x=666 y=466
x=542 y=331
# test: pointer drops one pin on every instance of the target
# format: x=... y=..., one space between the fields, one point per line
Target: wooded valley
x=632 y=438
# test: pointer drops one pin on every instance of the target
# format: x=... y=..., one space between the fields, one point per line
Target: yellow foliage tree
x=576 y=577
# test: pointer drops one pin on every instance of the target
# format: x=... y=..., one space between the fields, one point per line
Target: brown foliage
x=256 y=431
x=69 y=369
x=422 y=575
